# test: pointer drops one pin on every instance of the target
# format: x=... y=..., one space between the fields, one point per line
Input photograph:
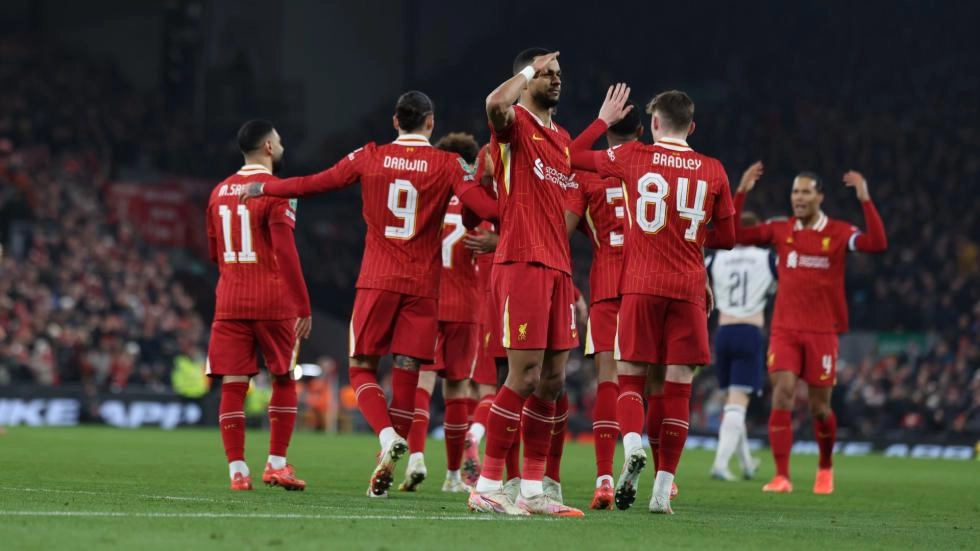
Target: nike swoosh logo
x=537 y=138
x=511 y=429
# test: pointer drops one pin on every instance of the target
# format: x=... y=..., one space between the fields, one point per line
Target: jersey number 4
x=245 y=254
x=653 y=191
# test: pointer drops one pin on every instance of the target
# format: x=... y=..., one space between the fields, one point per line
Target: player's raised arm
x=722 y=235
x=613 y=109
x=575 y=206
x=874 y=240
x=340 y=175
x=500 y=102
x=759 y=234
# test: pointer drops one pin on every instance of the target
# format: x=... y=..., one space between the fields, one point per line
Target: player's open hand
x=541 y=62
x=303 y=327
x=252 y=190
x=854 y=179
x=481 y=241
x=750 y=177
x=614 y=108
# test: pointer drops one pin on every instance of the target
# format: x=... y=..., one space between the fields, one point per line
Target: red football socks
x=781 y=439
x=402 y=409
x=513 y=459
x=605 y=429
x=503 y=423
x=629 y=406
x=470 y=408
x=370 y=397
x=655 y=418
x=558 y=433
x=539 y=418
x=456 y=425
x=482 y=410
x=282 y=416
x=673 y=430
x=231 y=419
x=826 y=432
x=420 y=421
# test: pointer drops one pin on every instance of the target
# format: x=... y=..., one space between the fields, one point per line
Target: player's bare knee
x=407 y=362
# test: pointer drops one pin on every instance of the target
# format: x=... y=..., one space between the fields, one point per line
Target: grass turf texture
x=87 y=488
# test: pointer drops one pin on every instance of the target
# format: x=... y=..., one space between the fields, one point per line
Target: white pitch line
x=291 y=516
x=88 y=493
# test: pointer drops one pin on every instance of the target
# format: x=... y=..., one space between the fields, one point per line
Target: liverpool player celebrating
x=457 y=343
x=672 y=193
x=596 y=206
x=810 y=311
x=261 y=299
x=406 y=187
x=531 y=281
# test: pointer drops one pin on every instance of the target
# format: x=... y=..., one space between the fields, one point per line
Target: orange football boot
x=779 y=484
x=284 y=477
x=825 y=482
x=604 y=496
x=241 y=482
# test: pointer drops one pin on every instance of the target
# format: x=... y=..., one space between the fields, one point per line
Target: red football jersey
x=459 y=292
x=250 y=285
x=532 y=169
x=811 y=273
x=672 y=192
x=405 y=187
x=600 y=203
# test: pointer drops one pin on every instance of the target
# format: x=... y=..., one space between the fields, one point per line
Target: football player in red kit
x=261 y=300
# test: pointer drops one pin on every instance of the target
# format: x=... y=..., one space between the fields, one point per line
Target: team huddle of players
x=467 y=268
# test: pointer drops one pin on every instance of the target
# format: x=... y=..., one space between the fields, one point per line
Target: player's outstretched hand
x=303 y=327
x=750 y=177
x=541 y=62
x=253 y=190
x=481 y=241
x=614 y=108
x=854 y=179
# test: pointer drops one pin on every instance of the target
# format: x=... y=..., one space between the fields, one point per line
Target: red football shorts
x=232 y=347
x=385 y=321
x=662 y=331
x=811 y=356
x=456 y=350
x=601 y=333
x=537 y=306
x=491 y=344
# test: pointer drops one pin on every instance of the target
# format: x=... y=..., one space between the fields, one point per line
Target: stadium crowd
x=84 y=300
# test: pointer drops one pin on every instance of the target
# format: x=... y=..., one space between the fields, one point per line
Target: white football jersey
x=741 y=279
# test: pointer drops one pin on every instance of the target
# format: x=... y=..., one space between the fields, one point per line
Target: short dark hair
x=817 y=180
x=525 y=58
x=675 y=107
x=412 y=108
x=253 y=133
x=630 y=123
x=460 y=143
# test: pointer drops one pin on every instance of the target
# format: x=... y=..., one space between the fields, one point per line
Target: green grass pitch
x=100 y=488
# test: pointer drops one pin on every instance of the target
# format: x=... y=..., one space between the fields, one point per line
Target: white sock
x=386 y=435
x=631 y=441
x=729 y=435
x=452 y=475
x=277 y=461
x=485 y=485
x=662 y=484
x=417 y=456
x=531 y=488
x=603 y=478
x=744 y=451
x=237 y=467
x=478 y=430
